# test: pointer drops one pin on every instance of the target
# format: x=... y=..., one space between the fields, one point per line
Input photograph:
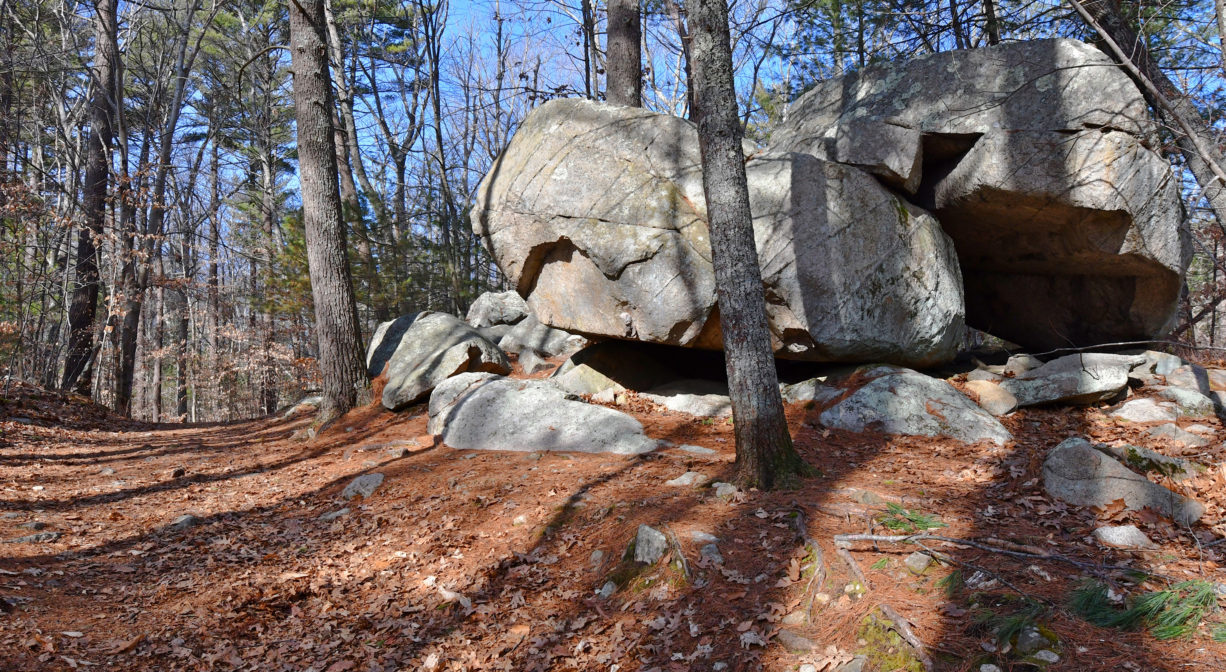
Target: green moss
x=883 y=647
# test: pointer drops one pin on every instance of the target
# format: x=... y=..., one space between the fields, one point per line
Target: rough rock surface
x=531 y=334
x=1079 y=379
x=1123 y=536
x=907 y=402
x=494 y=308
x=992 y=397
x=384 y=341
x=597 y=214
x=1146 y=410
x=1077 y=473
x=1049 y=141
x=363 y=486
x=814 y=389
x=434 y=347
x=482 y=411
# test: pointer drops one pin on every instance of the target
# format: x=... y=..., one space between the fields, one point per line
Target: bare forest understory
x=463 y=560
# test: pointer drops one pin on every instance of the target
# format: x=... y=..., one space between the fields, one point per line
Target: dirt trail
x=487 y=561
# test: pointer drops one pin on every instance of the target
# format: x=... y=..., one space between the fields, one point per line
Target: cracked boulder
x=596 y=214
x=1035 y=157
x=430 y=348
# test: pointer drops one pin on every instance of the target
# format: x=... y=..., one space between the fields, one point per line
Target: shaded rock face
x=482 y=411
x=1034 y=157
x=432 y=348
x=495 y=308
x=596 y=214
x=1080 y=379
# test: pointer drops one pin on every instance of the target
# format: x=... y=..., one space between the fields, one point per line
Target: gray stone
x=532 y=361
x=1019 y=364
x=1123 y=536
x=606 y=591
x=184 y=521
x=481 y=411
x=696 y=450
x=583 y=379
x=701 y=398
x=495 y=333
x=983 y=375
x=711 y=553
x=989 y=667
x=650 y=545
x=703 y=537
x=495 y=308
x=434 y=347
x=1030 y=640
x=1160 y=363
x=531 y=334
x=364 y=485
x=723 y=489
x=689 y=478
x=917 y=563
x=1193 y=377
x=596 y=213
x=1046 y=656
x=794 y=642
x=1146 y=460
x=910 y=403
x=814 y=390
x=596 y=558
x=1046 y=139
x=1080 y=379
x=1175 y=433
x=107 y=471
x=1189 y=403
x=38 y=538
x=333 y=515
x=1079 y=474
x=1146 y=410
x=33 y=525
x=856 y=664
x=992 y=397
x=384 y=342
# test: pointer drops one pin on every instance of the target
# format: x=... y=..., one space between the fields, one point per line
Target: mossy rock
x=885 y=648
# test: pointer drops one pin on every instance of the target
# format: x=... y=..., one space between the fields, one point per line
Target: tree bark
x=764 y=453
x=336 y=317
x=78 y=372
x=991 y=25
x=1192 y=135
x=624 y=84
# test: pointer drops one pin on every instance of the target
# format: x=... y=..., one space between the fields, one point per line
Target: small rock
x=333 y=515
x=1146 y=410
x=364 y=485
x=857 y=664
x=532 y=361
x=917 y=563
x=178 y=472
x=696 y=450
x=106 y=471
x=596 y=558
x=797 y=617
x=40 y=538
x=719 y=667
x=10 y=515
x=649 y=545
x=686 y=479
x=807 y=667
x=983 y=375
x=711 y=552
x=724 y=489
x=1030 y=640
x=794 y=642
x=1046 y=656
x=703 y=537
x=33 y=525
x=606 y=590
x=1190 y=403
x=1173 y=432
x=521 y=519
x=1123 y=536
x=989 y=667
x=38 y=488
x=184 y=521
x=992 y=397
x=370 y=463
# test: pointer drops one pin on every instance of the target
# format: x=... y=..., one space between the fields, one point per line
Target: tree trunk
x=336 y=318
x=625 y=54
x=1192 y=135
x=764 y=453
x=991 y=25
x=77 y=366
x=181 y=358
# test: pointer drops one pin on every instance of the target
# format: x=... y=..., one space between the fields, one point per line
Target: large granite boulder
x=496 y=308
x=482 y=411
x=596 y=214
x=1035 y=157
x=432 y=348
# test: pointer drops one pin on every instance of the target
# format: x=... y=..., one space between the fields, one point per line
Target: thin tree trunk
x=674 y=13
x=991 y=25
x=624 y=83
x=181 y=358
x=77 y=366
x=764 y=453
x=336 y=319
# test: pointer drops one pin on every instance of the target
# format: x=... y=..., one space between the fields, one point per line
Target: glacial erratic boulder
x=432 y=348
x=596 y=213
x=483 y=411
x=1035 y=157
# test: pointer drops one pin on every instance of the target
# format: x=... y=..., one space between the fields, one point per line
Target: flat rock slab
x=1123 y=536
x=1176 y=433
x=434 y=347
x=992 y=397
x=364 y=486
x=701 y=398
x=1078 y=473
x=1077 y=380
x=908 y=402
x=482 y=411
x=1146 y=410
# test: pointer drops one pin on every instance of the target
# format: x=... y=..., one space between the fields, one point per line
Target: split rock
x=1080 y=379
x=432 y=348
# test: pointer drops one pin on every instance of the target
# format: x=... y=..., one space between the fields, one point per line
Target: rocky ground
x=217 y=547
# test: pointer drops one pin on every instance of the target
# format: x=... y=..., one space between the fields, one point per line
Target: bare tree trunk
x=181 y=358
x=674 y=13
x=991 y=25
x=1192 y=135
x=336 y=318
x=624 y=84
x=78 y=372
x=159 y=331
x=764 y=453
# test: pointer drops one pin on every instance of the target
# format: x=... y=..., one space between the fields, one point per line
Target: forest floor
x=466 y=561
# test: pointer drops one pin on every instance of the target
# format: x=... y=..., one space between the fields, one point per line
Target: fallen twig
x=904 y=630
x=853 y=565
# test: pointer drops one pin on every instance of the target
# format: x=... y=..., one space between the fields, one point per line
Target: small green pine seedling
x=880 y=564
